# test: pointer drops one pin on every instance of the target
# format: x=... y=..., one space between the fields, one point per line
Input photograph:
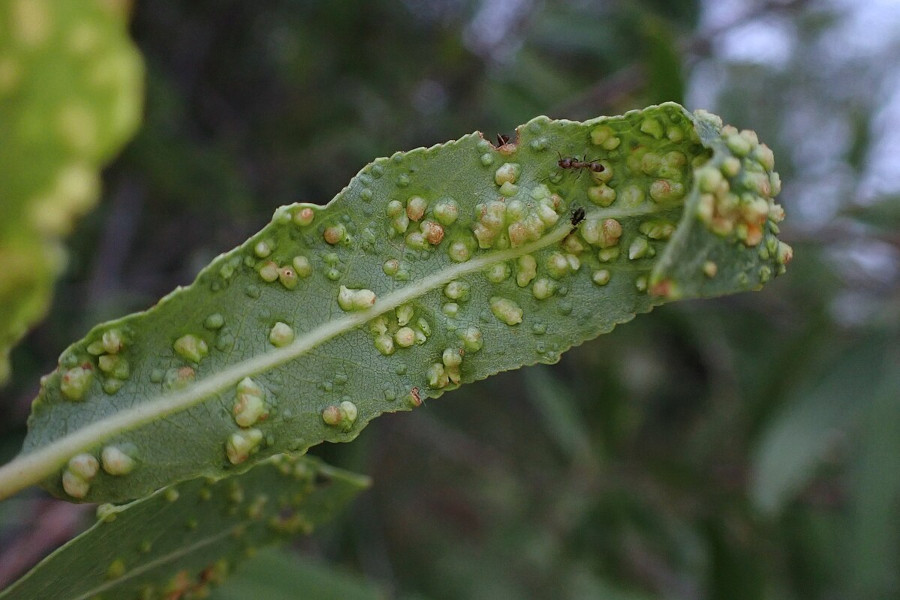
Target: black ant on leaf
x=502 y=139
x=574 y=163
x=577 y=216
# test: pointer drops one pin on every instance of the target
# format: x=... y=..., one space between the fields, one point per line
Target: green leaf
x=817 y=417
x=70 y=95
x=279 y=575
x=875 y=504
x=190 y=536
x=433 y=268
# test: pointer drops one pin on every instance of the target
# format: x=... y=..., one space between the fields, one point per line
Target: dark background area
x=744 y=448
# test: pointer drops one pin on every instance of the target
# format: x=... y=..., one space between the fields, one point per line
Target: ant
x=577 y=216
x=574 y=163
x=502 y=139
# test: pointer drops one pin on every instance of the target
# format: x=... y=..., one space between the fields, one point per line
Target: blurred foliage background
x=742 y=448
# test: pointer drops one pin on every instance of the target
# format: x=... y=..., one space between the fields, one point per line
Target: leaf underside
x=183 y=539
x=681 y=208
x=70 y=95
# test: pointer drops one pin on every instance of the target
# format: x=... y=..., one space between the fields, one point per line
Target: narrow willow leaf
x=181 y=540
x=433 y=268
x=277 y=574
x=70 y=95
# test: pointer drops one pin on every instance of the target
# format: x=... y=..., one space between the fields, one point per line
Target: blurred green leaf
x=70 y=96
x=278 y=575
x=875 y=513
x=182 y=539
x=816 y=417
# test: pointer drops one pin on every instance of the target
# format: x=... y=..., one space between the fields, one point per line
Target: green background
x=739 y=448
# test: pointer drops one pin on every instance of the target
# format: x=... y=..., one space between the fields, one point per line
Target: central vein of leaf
x=158 y=562
x=36 y=465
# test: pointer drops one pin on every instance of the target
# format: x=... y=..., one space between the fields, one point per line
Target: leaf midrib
x=31 y=468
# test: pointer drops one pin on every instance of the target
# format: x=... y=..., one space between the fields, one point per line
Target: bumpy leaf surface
x=433 y=268
x=70 y=95
x=181 y=540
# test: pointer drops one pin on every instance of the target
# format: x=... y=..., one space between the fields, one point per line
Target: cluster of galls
x=400 y=330
x=76 y=380
x=82 y=468
x=737 y=196
x=511 y=223
x=430 y=231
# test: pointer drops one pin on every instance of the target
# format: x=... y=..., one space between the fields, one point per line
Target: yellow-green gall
x=405 y=337
x=343 y=415
x=639 y=248
x=459 y=252
x=405 y=313
x=190 y=347
x=652 y=127
x=600 y=277
x=75 y=382
x=784 y=253
x=664 y=189
x=116 y=569
x=304 y=216
x=543 y=288
x=507 y=173
x=604 y=233
x=394 y=208
x=506 y=310
x=351 y=299
x=112 y=341
x=331 y=415
x=437 y=376
x=526 y=270
x=84 y=465
x=390 y=267
x=268 y=271
x=116 y=461
x=547 y=214
x=214 y=321
x=518 y=233
x=114 y=366
x=452 y=357
x=350 y=411
x=731 y=166
x=249 y=406
x=384 y=344
x=75 y=486
x=605 y=136
x=608 y=254
x=657 y=229
x=457 y=290
x=262 y=248
x=710 y=269
x=302 y=266
x=288 y=277
x=446 y=211
x=497 y=273
x=557 y=265
x=242 y=444
x=509 y=189
x=471 y=339
x=281 y=334
x=415 y=208
x=334 y=234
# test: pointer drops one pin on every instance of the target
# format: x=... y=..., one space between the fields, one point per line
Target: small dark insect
x=502 y=139
x=577 y=216
x=574 y=163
